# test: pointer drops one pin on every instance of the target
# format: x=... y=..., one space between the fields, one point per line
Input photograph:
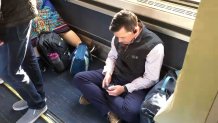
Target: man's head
x=124 y=25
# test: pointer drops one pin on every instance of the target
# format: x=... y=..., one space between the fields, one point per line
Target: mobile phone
x=108 y=86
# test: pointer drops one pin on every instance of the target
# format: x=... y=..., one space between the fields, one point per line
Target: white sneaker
x=21 y=105
x=32 y=115
x=1 y=81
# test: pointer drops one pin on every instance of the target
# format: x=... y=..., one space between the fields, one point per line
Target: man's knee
x=79 y=77
x=131 y=114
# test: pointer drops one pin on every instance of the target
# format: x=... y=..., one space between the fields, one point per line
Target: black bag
x=54 y=51
x=157 y=97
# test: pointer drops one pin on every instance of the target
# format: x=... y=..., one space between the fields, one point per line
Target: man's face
x=124 y=36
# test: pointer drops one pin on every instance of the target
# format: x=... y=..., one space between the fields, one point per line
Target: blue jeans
x=19 y=66
x=126 y=106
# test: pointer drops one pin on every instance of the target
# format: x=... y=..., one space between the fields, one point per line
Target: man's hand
x=115 y=90
x=106 y=81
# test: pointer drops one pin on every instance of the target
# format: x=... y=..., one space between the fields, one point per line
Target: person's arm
x=111 y=59
x=109 y=65
x=151 y=75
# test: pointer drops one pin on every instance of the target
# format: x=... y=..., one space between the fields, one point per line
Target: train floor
x=62 y=100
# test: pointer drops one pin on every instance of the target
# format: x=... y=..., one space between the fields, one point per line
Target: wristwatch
x=125 y=88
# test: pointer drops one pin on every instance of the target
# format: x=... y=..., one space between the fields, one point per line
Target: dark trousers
x=19 y=66
x=126 y=106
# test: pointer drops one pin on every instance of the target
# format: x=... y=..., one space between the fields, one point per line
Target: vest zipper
x=126 y=48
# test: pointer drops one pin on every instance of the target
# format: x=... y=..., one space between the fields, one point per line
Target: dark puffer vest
x=130 y=63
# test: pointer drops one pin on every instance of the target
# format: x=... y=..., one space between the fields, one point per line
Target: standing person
x=18 y=60
x=132 y=66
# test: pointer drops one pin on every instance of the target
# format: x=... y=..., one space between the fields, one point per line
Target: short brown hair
x=124 y=18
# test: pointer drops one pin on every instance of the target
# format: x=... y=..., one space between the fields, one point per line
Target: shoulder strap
x=166 y=80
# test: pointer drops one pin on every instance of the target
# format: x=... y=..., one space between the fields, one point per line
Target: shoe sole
x=24 y=107
x=35 y=118
x=44 y=110
x=19 y=109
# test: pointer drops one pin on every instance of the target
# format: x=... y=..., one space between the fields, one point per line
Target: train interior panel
x=171 y=20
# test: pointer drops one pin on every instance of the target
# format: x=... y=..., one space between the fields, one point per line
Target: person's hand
x=106 y=81
x=115 y=90
x=1 y=42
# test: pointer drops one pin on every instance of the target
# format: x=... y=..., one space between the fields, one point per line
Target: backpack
x=50 y=46
x=80 y=59
x=157 y=97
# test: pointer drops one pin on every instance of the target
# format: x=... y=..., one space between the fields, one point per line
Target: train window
x=176 y=9
x=190 y=3
x=166 y=11
x=172 y=17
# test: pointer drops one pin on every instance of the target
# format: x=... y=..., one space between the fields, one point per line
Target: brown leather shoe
x=90 y=44
x=83 y=101
x=113 y=118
